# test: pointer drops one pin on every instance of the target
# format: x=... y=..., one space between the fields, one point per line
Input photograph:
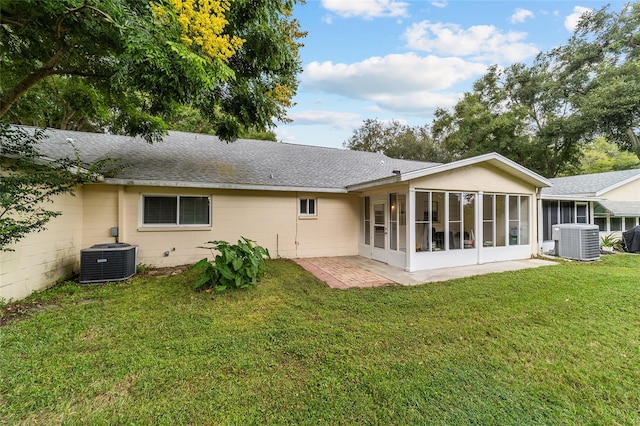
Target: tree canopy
x=396 y=140
x=544 y=115
x=134 y=62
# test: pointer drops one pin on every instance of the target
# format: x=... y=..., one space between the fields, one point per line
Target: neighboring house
x=610 y=200
x=295 y=200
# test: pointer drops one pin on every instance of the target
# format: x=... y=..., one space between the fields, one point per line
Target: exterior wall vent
x=577 y=241
x=107 y=262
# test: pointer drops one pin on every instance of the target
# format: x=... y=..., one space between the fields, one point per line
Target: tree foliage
x=27 y=184
x=518 y=112
x=600 y=66
x=603 y=156
x=396 y=140
x=542 y=115
x=234 y=61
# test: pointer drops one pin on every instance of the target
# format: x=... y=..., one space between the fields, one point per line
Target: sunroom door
x=380 y=237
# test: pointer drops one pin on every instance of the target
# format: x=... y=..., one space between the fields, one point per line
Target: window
x=444 y=220
x=629 y=223
x=176 y=210
x=600 y=217
x=505 y=220
x=397 y=221
x=582 y=213
x=366 y=214
x=615 y=224
x=307 y=207
x=424 y=214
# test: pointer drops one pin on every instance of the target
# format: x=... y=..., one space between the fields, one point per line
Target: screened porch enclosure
x=429 y=229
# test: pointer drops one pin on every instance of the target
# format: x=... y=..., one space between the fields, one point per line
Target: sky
x=400 y=60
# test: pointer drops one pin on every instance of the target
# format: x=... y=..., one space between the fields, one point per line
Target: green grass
x=554 y=345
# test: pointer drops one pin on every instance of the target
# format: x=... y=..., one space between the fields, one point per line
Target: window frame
x=177 y=224
x=308 y=215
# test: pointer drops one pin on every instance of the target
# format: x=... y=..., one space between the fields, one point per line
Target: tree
x=236 y=62
x=604 y=156
x=601 y=68
x=67 y=103
x=518 y=112
x=542 y=115
x=396 y=140
x=128 y=65
x=27 y=183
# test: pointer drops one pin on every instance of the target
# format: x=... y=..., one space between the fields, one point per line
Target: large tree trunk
x=13 y=94
x=635 y=142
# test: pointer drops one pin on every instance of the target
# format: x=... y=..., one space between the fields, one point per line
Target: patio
x=356 y=271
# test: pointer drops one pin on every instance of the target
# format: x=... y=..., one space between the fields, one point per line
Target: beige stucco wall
x=40 y=259
x=628 y=192
x=479 y=177
x=269 y=218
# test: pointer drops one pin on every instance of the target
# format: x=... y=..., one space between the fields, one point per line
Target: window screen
x=174 y=210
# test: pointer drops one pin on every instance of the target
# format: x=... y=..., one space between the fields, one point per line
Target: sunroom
x=478 y=210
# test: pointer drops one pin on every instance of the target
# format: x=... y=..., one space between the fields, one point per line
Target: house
x=295 y=200
x=610 y=200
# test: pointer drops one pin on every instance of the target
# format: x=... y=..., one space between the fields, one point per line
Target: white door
x=380 y=237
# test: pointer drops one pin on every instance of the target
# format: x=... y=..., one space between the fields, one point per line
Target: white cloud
x=440 y=4
x=335 y=119
x=391 y=74
x=367 y=9
x=405 y=83
x=284 y=135
x=571 y=21
x=421 y=102
x=520 y=15
x=479 y=42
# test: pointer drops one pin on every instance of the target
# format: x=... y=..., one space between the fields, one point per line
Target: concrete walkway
x=355 y=271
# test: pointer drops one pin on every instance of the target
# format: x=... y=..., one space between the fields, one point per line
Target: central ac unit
x=107 y=262
x=577 y=241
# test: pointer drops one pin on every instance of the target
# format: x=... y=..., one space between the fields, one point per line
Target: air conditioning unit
x=577 y=241
x=107 y=262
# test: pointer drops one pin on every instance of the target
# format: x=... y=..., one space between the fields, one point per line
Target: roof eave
x=618 y=184
x=385 y=181
x=571 y=197
x=217 y=185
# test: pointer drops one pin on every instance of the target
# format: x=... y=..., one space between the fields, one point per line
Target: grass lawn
x=554 y=345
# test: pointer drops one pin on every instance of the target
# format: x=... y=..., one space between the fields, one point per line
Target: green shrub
x=236 y=266
x=611 y=241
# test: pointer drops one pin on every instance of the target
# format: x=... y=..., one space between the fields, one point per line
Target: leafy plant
x=611 y=241
x=28 y=182
x=239 y=265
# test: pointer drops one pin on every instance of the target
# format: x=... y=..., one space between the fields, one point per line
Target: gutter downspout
x=539 y=217
x=122 y=236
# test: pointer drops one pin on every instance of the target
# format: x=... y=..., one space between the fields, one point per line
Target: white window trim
x=177 y=226
x=313 y=215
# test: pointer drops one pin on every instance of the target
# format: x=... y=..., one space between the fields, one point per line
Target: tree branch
x=7 y=21
x=635 y=142
x=58 y=30
x=13 y=94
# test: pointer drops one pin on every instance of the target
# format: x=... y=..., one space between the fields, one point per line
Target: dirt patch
x=21 y=310
x=164 y=272
x=24 y=309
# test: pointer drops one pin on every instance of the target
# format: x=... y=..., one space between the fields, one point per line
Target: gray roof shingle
x=588 y=185
x=205 y=160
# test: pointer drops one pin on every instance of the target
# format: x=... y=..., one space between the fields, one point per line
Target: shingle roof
x=621 y=208
x=205 y=160
x=588 y=185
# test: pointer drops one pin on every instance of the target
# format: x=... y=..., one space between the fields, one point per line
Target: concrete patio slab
x=355 y=271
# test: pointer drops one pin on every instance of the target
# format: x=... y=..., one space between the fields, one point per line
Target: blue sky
x=400 y=60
